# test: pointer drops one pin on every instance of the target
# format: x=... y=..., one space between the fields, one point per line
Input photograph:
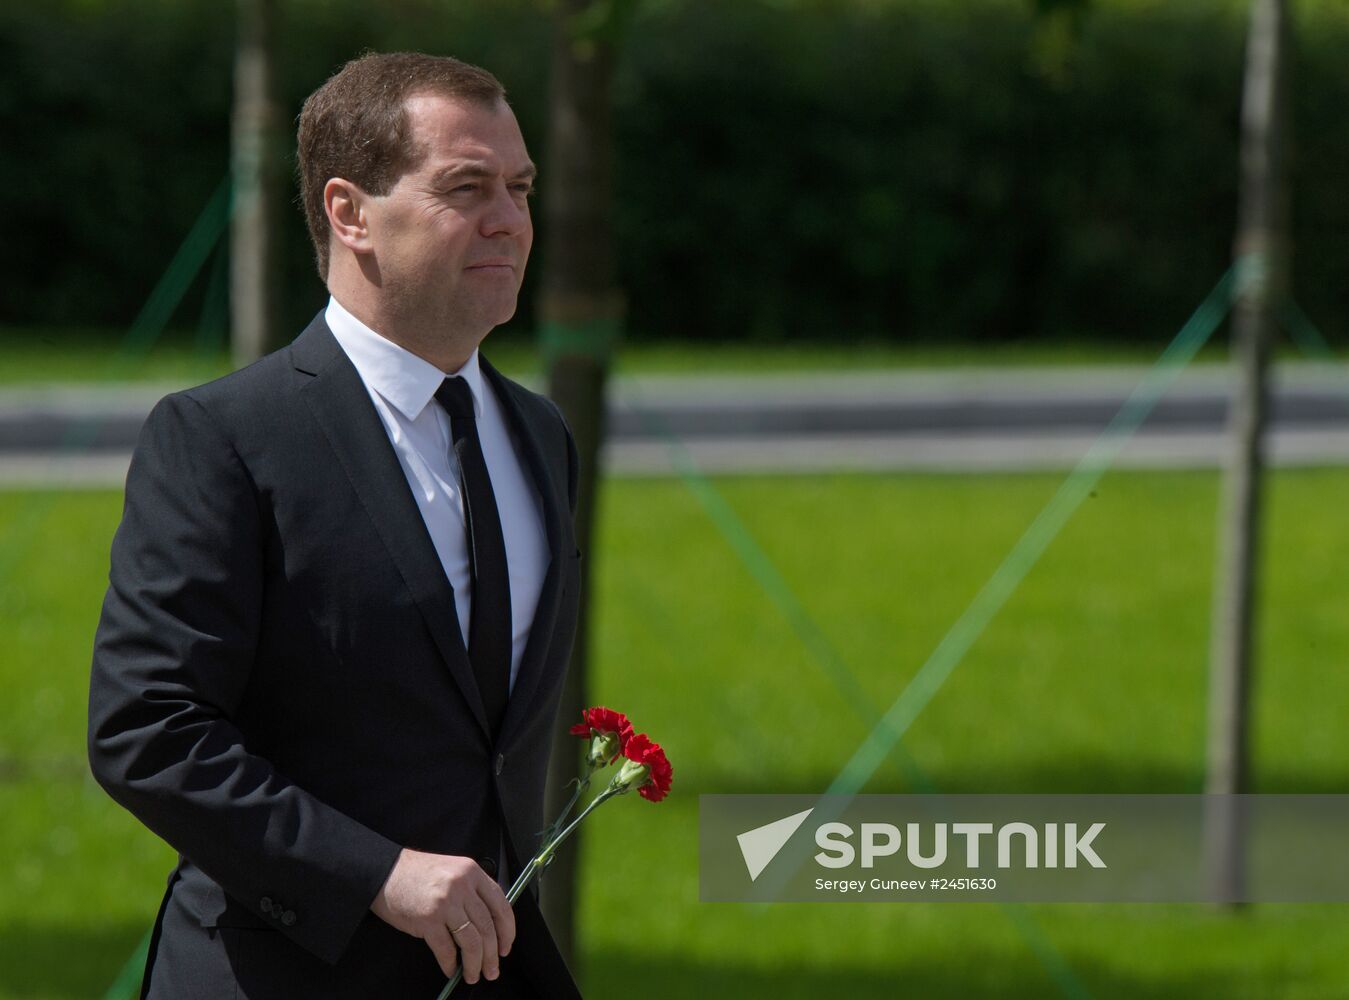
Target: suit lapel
x=341 y=406
x=550 y=493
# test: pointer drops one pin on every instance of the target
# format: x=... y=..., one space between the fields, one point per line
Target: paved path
x=976 y=420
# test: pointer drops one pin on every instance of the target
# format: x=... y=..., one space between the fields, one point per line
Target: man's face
x=452 y=237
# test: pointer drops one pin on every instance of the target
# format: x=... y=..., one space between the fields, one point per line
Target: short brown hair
x=355 y=125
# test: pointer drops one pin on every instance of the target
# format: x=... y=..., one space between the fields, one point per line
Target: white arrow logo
x=761 y=845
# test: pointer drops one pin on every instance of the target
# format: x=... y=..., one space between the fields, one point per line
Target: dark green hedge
x=831 y=169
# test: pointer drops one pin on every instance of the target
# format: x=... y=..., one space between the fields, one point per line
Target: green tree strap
x=1037 y=538
x=1309 y=340
x=177 y=278
x=147 y=327
x=128 y=981
x=884 y=738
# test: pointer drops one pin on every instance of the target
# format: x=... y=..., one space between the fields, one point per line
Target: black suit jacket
x=280 y=689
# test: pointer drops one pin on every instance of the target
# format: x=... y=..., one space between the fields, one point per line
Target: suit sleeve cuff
x=327 y=930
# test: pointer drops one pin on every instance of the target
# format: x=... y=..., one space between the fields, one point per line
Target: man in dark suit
x=344 y=589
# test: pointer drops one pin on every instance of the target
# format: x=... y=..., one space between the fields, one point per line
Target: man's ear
x=347 y=206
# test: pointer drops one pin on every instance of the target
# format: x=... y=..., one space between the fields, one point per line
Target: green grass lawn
x=46 y=355
x=1091 y=679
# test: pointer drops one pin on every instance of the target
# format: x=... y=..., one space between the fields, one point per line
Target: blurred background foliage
x=824 y=170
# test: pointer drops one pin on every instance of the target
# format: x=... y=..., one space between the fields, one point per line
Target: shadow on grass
x=64 y=963
x=1073 y=775
x=948 y=975
x=55 y=962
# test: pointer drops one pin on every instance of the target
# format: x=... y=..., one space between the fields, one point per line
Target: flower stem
x=581 y=785
x=449 y=987
x=541 y=860
x=545 y=854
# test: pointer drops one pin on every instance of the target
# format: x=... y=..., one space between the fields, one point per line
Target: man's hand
x=430 y=895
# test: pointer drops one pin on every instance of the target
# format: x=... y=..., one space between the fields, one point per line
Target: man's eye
x=525 y=189
x=464 y=188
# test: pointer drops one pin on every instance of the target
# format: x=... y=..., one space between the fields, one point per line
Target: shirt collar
x=405 y=380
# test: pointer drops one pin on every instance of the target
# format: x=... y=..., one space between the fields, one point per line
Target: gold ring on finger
x=461 y=927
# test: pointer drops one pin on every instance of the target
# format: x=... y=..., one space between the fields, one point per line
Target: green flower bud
x=631 y=775
x=604 y=747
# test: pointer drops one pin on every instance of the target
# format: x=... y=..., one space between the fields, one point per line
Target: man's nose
x=506 y=215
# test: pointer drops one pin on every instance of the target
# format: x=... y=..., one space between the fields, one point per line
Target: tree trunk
x=1262 y=272
x=257 y=179
x=581 y=312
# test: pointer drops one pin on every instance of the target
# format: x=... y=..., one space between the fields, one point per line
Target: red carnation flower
x=640 y=750
x=608 y=732
x=603 y=720
x=644 y=767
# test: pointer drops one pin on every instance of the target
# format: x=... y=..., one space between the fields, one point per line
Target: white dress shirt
x=402 y=386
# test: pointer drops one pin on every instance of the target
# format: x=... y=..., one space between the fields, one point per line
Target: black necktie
x=489 y=627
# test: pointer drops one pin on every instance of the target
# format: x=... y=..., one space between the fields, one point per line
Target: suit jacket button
x=266 y=905
x=501 y=763
x=288 y=918
x=488 y=865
